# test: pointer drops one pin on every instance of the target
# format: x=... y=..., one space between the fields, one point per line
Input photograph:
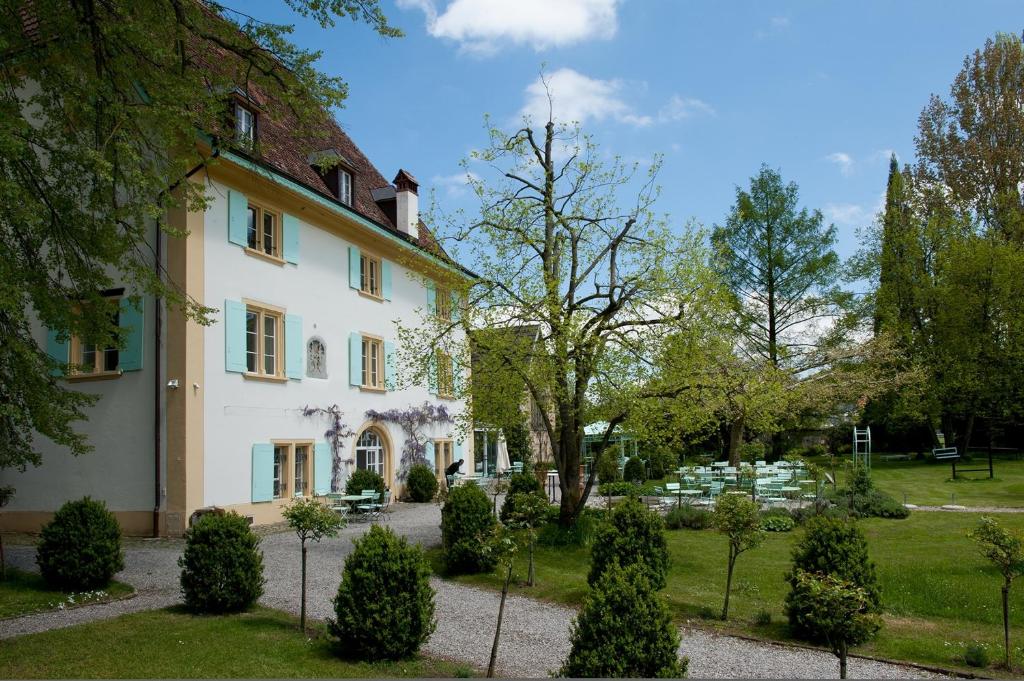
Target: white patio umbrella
x=503 y=463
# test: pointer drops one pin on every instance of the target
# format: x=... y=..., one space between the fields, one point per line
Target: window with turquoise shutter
x=431 y=289
x=132 y=321
x=262 y=472
x=57 y=349
x=290 y=238
x=234 y=336
x=355 y=358
x=385 y=279
x=354 y=274
x=238 y=218
x=322 y=468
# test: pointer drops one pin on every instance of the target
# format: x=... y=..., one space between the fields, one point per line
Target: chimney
x=407 y=204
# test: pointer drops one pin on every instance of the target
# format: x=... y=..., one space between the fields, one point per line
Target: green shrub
x=632 y=534
x=361 y=479
x=624 y=630
x=221 y=567
x=582 y=533
x=752 y=451
x=777 y=520
x=519 y=483
x=835 y=547
x=634 y=470
x=688 y=518
x=815 y=450
x=763 y=618
x=976 y=655
x=384 y=609
x=862 y=499
x=421 y=483
x=80 y=549
x=618 y=489
x=662 y=464
x=608 y=468
x=467 y=524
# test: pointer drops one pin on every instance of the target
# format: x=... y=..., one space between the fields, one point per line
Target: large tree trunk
x=968 y=433
x=567 y=458
x=735 y=440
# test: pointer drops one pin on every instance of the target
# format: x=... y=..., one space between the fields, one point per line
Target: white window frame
x=377 y=451
x=245 y=125
x=372 y=371
x=345 y=186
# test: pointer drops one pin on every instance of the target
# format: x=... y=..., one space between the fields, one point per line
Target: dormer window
x=344 y=186
x=245 y=126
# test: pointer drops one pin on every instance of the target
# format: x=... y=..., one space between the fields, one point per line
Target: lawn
x=927 y=484
x=171 y=643
x=23 y=593
x=938 y=592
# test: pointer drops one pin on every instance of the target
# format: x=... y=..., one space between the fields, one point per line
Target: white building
x=309 y=271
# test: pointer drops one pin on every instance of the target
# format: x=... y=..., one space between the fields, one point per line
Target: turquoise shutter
x=321 y=468
x=132 y=320
x=428 y=454
x=431 y=297
x=262 y=472
x=456 y=377
x=456 y=311
x=234 y=336
x=385 y=279
x=353 y=268
x=458 y=450
x=293 y=346
x=238 y=218
x=355 y=358
x=290 y=238
x=389 y=365
x=432 y=373
x=57 y=349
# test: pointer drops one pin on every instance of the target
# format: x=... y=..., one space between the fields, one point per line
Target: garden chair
x=715 y=490
x=366 y=508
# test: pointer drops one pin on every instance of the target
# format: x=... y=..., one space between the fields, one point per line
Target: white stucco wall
x=239 y=411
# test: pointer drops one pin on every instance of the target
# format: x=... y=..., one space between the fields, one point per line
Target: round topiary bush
x=830 y=546
x=222 y=567
x=467 y=522
x=80 y=549
x=421 y=483
x=634 y=470
x=519 y=483
x=364 y=479
x=608 y=468
x=631 y=535
x=384 y=609
x=624 y=630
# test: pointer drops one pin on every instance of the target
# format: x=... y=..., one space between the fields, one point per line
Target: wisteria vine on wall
x=337 y=431
x=413 y=420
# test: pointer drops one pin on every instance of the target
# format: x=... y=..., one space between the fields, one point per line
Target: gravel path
x=535 y=635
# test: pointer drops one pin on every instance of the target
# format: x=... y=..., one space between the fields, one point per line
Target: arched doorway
x=371 y=453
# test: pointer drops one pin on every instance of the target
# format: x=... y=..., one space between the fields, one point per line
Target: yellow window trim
x=264 y=256
x=379 y=341
x=264 y=310
x=288 y=477
x=261 y=210
x=370 y=257
x=75 y=373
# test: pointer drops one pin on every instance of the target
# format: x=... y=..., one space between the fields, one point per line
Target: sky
x=822 y=91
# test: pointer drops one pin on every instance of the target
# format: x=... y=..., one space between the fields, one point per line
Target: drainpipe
x=158 y=380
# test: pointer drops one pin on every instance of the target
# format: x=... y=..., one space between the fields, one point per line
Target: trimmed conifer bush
x=634 y=470
x=421 y=483
x=835 y=547
x=608 y=468
x=361 y=479
x=467 y=524
x=80 y=549
x=632 y=534
x=519 y=483
x=222 y=566
x=384 y=609
x=624 y=630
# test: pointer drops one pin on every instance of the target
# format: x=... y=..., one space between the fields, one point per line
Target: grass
x=23 y=593
x=939 y=593
x=171 y=643
x=927 y=484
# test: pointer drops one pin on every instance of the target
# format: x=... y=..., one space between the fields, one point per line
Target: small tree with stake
x=739 y=519
x=6 y=494
x=1006 y=551
x=840 y=612
x=526 y=511
x=503 y=547
x=311 y=520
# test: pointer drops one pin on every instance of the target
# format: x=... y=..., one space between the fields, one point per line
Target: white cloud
x=580 y=98
x=679 y=108
x=846 y=214
x=485 y=26
x=843 y=160
x=456 y=184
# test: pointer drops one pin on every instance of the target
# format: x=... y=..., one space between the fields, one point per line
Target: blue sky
x=823 y=91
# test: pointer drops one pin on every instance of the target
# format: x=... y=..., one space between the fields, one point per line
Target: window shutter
x=431 y=297
x=355 y=359
x=290 y=238
x=353 y=268
x=234 y=336
x=458 y=453
x=389 y=365
x=238 y=218
x=293 y=346
x=385 y=279
x=456 y=377
x=321 y=468
x=456 y=311
x=57 y=349
x=132 y=320
x=432 y=373
x=262 y=472
x=429 y=455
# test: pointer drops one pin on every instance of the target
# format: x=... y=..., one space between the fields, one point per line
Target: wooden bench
x=894 y=457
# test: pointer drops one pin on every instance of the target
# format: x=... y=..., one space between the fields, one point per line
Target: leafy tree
x=838 y=612
x=559 y=247
x=1006 y=551
x=632 y=534
x=739 y=519
x=112 y=94
x=526 y=511
x=311 y=520
x=624 y=630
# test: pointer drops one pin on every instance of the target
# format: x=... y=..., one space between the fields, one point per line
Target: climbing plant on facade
x=413 y=421
x=336 y=433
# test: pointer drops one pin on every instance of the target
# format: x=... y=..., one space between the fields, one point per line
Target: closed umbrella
x=503 y=463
